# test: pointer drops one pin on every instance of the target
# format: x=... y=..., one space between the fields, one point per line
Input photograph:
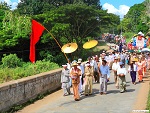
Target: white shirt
x=81 y=68
x=111 y=57
x=134 y=68
x=121 y=71
x=115 y=66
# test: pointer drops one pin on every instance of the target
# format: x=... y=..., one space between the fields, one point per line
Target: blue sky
x=117 y=3
x=118 y=7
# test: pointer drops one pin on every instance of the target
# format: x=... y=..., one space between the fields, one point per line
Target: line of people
x=97 y=69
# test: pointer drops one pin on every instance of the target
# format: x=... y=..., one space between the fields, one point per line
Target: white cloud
x=13 y=4
x=123 y=9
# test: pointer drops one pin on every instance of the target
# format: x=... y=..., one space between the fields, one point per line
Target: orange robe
x=140 y=71
x=75 y=75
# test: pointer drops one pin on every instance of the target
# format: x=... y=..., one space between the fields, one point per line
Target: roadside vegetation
x=13 y=68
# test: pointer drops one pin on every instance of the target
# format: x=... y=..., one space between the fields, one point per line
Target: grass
x=148 y=102
x=102 y=46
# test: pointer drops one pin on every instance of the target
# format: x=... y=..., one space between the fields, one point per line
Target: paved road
x=113 y=102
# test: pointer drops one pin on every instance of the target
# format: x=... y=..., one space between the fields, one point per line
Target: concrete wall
x=22 y=90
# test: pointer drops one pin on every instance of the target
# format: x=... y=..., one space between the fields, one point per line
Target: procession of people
x=97 y=69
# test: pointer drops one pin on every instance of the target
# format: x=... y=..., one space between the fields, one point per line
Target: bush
x=42 y=66
x=11 y=61
x=128 y=36
x=27 y=69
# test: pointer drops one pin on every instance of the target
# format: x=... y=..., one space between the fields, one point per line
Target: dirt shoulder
x=142 y=97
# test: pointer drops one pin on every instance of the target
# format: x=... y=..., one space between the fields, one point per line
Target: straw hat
x=74 y=64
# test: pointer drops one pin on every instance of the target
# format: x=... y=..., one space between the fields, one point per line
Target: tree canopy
x=68 y=20
x=134 y=19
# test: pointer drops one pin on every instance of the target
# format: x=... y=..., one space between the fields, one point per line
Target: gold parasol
x=69 y=48
x=90 y=44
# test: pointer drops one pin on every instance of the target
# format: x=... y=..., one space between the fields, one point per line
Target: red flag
x=37 y=30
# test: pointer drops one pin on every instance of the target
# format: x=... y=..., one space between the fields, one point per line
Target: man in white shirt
x=80 y=66
x=115 y=67
x=69 y=67
x=121 y=72
x=111 y=59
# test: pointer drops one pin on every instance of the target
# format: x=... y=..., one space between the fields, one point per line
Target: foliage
x=74 y=23
x=128 y=36
x=11 y=61
x=13 y=68
x=29 y=7
x=147 y=13
x=148 y=102
x=134 y=20
x=15 y=28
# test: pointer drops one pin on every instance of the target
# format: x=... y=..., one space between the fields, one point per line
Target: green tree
x=133 y=19
x=74 y=23
x=15 y=27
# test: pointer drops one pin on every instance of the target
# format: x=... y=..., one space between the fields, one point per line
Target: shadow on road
x=130 y=90
x=118 y=91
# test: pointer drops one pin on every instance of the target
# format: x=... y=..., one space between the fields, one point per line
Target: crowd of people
x=81 y=75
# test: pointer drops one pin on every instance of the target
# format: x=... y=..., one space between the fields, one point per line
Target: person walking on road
x=104 y=76
x=140 y=70
x=89 y=73
x=65 y=74
x=115 y=67
x=75 y=75
x=121 y=72
x=95 y=67
x=133 y=69
x=80 y=66
x=69 y=67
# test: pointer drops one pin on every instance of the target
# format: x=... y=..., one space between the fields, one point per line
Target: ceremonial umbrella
x=90 y=44
x=69 y=48
x=145 y=50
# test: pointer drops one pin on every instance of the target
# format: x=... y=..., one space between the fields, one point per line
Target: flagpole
x=57 y=43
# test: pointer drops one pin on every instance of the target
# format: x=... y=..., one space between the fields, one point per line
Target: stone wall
x=22 y=90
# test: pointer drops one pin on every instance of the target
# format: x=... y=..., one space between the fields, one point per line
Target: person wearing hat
x=75 y=75
x=115 y=67
x=81 y=67
x=121 y=72
x=104 y=74
x=65 y=74
x=133 y=69
x=89 y=73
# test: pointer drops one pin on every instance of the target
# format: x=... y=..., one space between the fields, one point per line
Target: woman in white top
x=133 y=69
